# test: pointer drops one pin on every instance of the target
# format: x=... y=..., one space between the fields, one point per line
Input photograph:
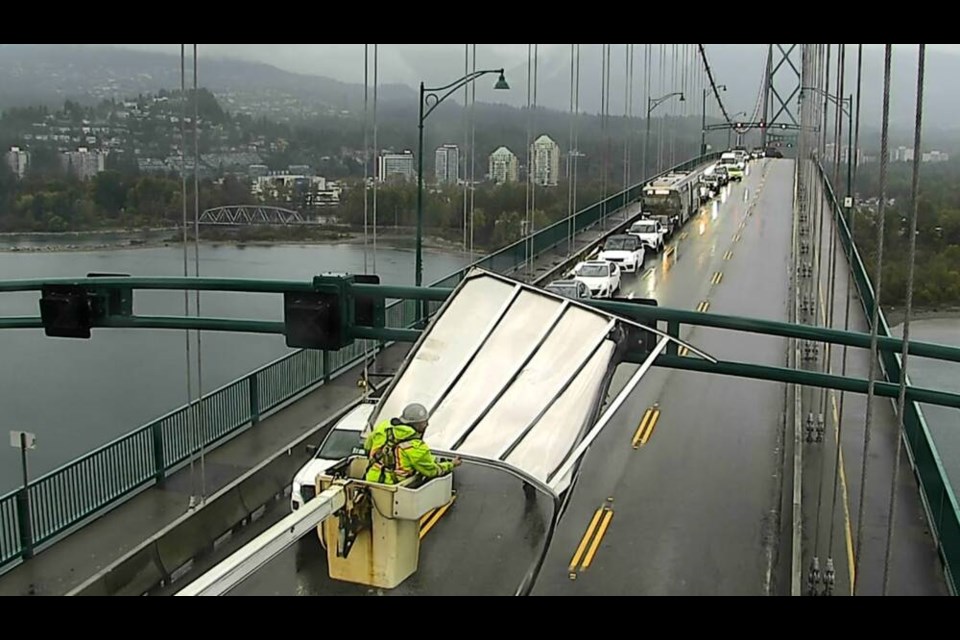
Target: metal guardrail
x=939 y=497
x=65 y=498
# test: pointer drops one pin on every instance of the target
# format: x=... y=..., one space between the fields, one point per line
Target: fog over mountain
x=333 y=74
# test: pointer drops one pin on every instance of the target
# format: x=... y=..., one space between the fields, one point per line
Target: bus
x=675 y=195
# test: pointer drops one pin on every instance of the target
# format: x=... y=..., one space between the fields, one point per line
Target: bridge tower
x=780 y=95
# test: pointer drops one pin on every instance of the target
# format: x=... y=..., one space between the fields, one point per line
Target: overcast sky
x=345 y=61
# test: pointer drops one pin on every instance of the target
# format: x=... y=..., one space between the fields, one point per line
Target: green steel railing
x=102 y=479
x=939 y=496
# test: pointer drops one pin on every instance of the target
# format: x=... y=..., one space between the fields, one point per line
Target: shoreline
x=125 y=240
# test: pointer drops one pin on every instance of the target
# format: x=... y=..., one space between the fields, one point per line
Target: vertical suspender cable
x=196 y=257
x=531 y=170
x=832 y=261
x=646 y=101
x=626 y=120
x=674 y=105
x=875 y=319
x=466 y=145
x=366 y=151
x=191 y=418
x=473 y=147
x=901 y=398
x=570 y=154
x=532 y=225
x=376 y=186
x=661 y=91
x=851 y=221
x=366 y=197
x=576 y=144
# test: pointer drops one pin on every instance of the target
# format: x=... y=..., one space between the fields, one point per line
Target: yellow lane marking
x=583 y=543
x=641 y=428
x=728 y=255
x=645 y=432
x=649 y=273
x=846 y=498
x=596 y=541
x=424 y=530
x=684 y=351
x=683 y=236
x=717 y=277
x=737 y=237
x=703 y=306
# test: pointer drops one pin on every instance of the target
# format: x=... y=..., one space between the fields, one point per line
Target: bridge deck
x=701 y=493
x=694 y=509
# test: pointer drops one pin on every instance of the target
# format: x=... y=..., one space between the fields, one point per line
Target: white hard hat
x=414 y=414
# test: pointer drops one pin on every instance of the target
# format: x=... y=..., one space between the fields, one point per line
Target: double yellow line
x=645 y=430
x=430 y=519
x=595 y=532
x=703 y=306
x=737 y=237
x=728 y=255
x=684 y=351
x=717 y=277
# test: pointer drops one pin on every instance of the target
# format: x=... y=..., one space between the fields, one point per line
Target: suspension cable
x=606 y=137
x=627 y=87
x=819 y=303
x=466 y=145
x=365 y=382
x=852 y=165
x=570 y=159
x=530 y=168
x=191 y=418
x=473 y=148
x=673 y=107
x=661 y=91
x=646 y=101
x=376 y=145
x=832 y=268
x=196 y=256
x=366 y=150
x=532 y=224
x=901 y=399
x=713 y=84
x=874 y=329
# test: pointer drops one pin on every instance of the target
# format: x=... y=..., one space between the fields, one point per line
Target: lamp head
x=501 y=83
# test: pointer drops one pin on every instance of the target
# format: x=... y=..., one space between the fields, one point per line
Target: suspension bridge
x=796 y=461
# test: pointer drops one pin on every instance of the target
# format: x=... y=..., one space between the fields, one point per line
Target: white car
x=343 y=440
x=603 y=278
x=625 y=251
x=650 y=232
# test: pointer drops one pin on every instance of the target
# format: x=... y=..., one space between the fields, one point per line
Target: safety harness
x=387 y=457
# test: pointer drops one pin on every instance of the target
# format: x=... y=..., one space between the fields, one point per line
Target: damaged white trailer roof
x=509 y=373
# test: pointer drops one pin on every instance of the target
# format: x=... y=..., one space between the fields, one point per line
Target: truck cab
x=734 y=165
